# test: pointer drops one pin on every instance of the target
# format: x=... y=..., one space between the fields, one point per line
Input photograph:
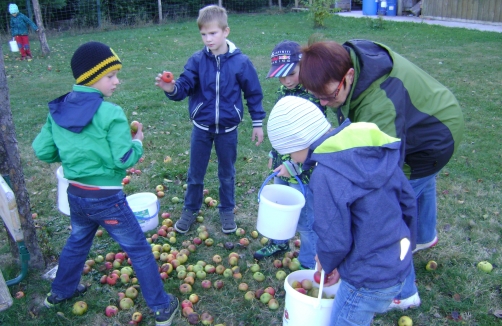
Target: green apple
x=280 y=275
x=79 y=308
x=258 y=276
x=485 y=266
x=431 y=266
x=405 y=321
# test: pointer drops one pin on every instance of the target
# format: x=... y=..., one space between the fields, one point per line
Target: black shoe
x=165 y=316
x=270 y=250
x=186 y=220
x=52 y=300
x=227 y=220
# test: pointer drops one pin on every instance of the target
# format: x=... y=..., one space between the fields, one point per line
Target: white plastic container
x=279 y=211
x=300 y=309
x=13 y=46
x=63 y=205
x=145 y=207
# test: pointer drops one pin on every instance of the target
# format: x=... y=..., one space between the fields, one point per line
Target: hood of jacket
x=75 y=110
x=377 y=154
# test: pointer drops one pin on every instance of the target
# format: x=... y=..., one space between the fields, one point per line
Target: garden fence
x=63 y=15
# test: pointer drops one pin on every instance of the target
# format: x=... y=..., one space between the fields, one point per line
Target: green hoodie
x=91 y=138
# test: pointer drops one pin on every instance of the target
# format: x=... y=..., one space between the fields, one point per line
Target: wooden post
x=280 y=5
x=160 y=11
x=399 y=7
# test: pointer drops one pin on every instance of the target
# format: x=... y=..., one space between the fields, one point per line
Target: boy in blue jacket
x=364 y=207
x=215 y=79
x=92 y=140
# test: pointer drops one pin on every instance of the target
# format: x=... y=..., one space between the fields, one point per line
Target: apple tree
x=10 y=164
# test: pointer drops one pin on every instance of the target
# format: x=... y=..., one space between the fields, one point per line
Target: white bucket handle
x=321 y=286
x=273 y=175
x=146 y=218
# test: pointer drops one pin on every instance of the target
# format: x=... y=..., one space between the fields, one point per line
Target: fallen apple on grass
x=79 y=308
x=485 y=266
x=405 y=321
x=431 y=266
x=111 y=311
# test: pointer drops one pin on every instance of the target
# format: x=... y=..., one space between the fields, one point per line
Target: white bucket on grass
x=145 y=206
x=279 y=211
x=301 y=309
x=63 y=205
x=13 y=46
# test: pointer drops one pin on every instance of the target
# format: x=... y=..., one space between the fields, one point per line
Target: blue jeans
x=358 y=306
x=409 y=286
x=201 y=145
x=115 y=216
x=425 y=192
x=307 y=235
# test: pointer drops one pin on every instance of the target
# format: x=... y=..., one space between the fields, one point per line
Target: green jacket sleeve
x=44 y=146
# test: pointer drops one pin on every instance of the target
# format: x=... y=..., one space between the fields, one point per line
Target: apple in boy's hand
x=167 y=76
x=134 y=126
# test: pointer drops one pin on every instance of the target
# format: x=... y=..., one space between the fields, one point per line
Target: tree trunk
x=41 y=29
x=10 y=164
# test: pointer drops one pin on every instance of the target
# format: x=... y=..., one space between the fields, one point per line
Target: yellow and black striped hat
x=92 y=61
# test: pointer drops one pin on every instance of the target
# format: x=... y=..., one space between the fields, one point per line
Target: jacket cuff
x=293 y=168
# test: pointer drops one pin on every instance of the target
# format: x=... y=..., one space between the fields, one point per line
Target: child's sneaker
x=227 y=222
x=403 y=304
x=165 y=316
x=186 y=220
x=270 y=250
x=52 y=300
x=426 y=245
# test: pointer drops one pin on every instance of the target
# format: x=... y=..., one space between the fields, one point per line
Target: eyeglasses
x=333 y=95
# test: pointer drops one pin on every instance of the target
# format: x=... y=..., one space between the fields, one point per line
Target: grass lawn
x=469 y=197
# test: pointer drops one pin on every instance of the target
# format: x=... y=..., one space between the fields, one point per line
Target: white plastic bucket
x=279 y=211
x=145 y=207
x=301 y=309
x=13 y=46
x=63 y=205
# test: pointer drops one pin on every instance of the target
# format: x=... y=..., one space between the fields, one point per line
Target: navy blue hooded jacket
x=215 y=85
x=364 y=206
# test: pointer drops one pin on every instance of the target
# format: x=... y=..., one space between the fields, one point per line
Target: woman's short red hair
x=322 y=63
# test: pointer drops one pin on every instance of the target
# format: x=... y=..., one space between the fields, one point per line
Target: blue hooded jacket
x=215 y=85
x=364 y=206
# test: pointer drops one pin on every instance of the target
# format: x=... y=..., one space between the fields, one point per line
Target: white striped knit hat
x=294 y=124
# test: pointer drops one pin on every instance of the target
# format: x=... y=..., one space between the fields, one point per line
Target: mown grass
x=469 y=227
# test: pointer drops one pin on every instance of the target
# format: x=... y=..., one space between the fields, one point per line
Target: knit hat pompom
x=93 y=60
x=294 y=124
x=13 y=9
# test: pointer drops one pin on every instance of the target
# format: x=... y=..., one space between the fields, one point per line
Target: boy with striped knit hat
x=92 y=140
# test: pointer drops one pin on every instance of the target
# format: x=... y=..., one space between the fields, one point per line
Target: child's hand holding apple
x=165 y=81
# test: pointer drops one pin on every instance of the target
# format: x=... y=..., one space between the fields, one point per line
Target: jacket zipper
x=217 y=108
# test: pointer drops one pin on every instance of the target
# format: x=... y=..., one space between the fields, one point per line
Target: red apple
x=167 y=76
x=206 y=318
x=137 y=317
x=165 y=215
x=206 y=284
x=185 y=288
x=186 y=303
x=19 y=295
x=99 y=233
x=193 y=318
x=218 y=284
x=270 y=290
x=243 y=287
x=111 y=311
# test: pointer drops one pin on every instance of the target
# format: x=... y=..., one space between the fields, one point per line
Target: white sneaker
x=403 y=304
x=426 y=245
